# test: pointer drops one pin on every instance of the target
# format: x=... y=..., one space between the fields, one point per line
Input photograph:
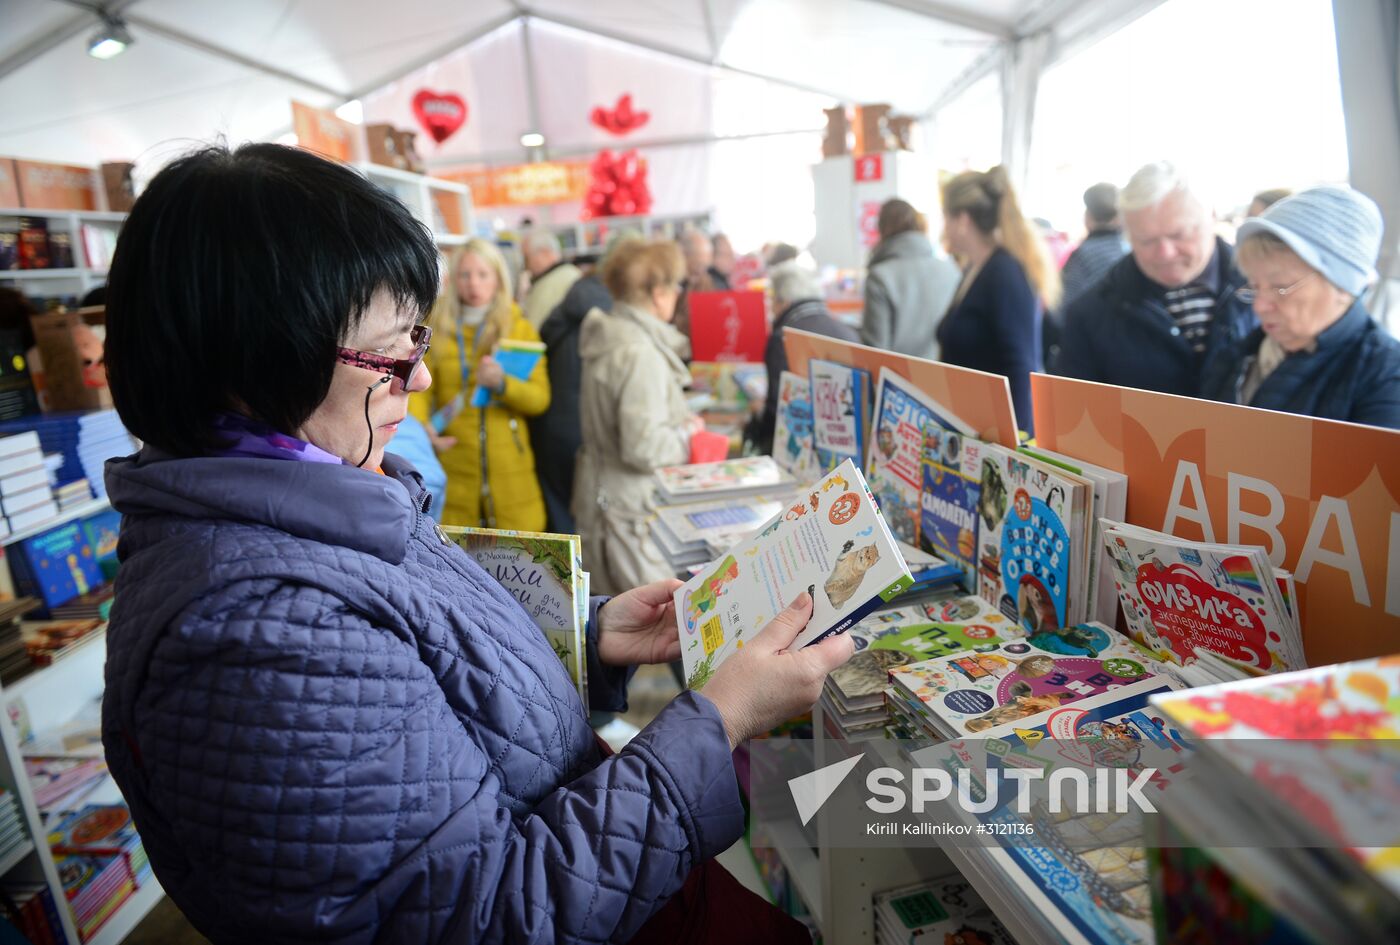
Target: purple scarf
x=250 y=438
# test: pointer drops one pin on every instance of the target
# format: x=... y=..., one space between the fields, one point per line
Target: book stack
x=25 y=497
x=751 y=475
x=833 y=544
x=14 y=658
x=73 y=494
x=84 y=439
x=853 y=697
x=57 y=778
x=988 y=690
x=544 y=573
x=52 y=641
x=94 y=605
x=946 y=909
x=694 y=533
x=1179 y=596
x=96 y=886
x=103 y=830
x=36 y=913
x=12 y=832
x=1292 y=794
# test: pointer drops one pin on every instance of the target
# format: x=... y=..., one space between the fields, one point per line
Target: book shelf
x=51 y=696
x=90 y=507
x=444 y=207
x=88 y=271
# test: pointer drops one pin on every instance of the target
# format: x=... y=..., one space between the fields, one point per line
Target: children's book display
x=890 y=639
x=1084 y=873
x=840 y=413
x=894 y=457
x=750 y=475
x=545 y=574
x=1311 y=753
x=832 y=543
x=792 y=428
x=1034 y=540
x=1180 y=595
x=976 y=692
x=950 y=490
x=937 y=911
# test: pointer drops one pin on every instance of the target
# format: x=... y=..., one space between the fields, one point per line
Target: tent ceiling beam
x=453 y=45
x=707 y=13
x=947 y=13
x=532 y=96
x=985 y=65
x=59 y=34
x=682 y=54
x=219 y=52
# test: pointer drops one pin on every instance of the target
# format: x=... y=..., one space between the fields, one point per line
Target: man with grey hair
x=796 y=297
x=550 y=275
x=1169 y=307
x=700 y=274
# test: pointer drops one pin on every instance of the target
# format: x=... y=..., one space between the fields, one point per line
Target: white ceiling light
x=111 y=40
x=532 y=139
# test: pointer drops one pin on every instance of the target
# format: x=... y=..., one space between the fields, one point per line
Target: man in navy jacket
x=1163 y=312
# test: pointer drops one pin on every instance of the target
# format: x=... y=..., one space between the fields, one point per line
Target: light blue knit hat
x=1335 y=230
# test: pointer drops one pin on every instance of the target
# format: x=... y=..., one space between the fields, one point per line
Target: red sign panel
x=727 y=326
x=870 y=167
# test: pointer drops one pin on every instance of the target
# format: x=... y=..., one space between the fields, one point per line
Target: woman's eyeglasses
x=1248 y=293
x=405 y=369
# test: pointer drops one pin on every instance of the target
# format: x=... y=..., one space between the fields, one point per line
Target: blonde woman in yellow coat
x=485 y=451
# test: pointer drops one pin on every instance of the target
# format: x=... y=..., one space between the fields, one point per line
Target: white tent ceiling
x=201 y=68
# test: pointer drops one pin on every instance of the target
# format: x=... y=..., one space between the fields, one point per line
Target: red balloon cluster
x=621 y=118
x=618 y=186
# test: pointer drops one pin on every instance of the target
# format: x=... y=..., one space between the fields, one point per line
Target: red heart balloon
x=439 y=113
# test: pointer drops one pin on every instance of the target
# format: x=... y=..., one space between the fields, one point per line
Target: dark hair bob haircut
x=236 y=276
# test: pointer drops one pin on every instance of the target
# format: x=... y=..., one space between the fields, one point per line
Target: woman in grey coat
x=908 y=287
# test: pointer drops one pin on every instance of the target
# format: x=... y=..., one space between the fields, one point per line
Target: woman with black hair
x=330 y=724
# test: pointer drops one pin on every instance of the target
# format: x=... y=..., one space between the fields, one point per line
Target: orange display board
x=1322 y=497
x=982 y=400
x=55 y=186
x=326 y=134
x=523 y=185
x=9 y=184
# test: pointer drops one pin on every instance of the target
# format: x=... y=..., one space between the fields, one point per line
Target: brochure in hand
x=517 y=358
x=832 y=543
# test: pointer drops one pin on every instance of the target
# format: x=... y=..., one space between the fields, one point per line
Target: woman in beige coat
x=632 y=412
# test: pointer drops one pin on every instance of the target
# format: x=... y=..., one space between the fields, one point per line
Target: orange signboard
x=1322 y=497
x=325 y=133
x=982 y=400
x=55 y=186
x=521 y=185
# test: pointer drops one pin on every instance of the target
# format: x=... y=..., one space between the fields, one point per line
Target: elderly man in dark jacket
x=1168 y=309
x=1308 y=259
x=797 y=298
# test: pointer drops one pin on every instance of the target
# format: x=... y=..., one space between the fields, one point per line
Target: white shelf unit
x=53 y=695
x=432 y=201
x=86 y=273
x=586 y=236
x=90 y=507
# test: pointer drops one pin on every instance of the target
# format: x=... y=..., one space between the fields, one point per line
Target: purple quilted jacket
x=333 y=727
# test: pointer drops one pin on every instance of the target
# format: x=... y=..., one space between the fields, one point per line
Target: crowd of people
x=392 y=751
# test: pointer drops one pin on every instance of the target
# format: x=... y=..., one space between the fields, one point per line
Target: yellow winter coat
x=511 y=489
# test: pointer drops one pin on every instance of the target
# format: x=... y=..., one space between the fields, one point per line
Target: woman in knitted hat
x=1317 y=351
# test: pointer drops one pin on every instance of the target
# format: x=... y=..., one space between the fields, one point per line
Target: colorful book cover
x=544 y=573
x=840 y=412
x=517 y=358
x=746 y=476
x=56 y=566
x=1317 y=746
x=895 y=456
x=1033 y=543
x=833 y=544
x=97 y=828
x=970 y=693
x=1089 y=868
x=1178 y=595
x=951 y=467
x=792 y=430
x=890 y=639
x=946 y=910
